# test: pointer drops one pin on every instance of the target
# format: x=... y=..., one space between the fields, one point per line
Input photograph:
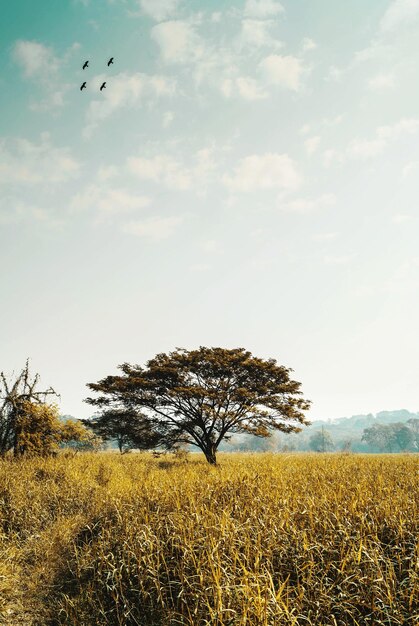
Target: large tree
x=200 y=397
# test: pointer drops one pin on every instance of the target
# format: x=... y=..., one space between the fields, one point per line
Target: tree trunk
x=210 y=455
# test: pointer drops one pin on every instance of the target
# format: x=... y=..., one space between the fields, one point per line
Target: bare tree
x=15 y=394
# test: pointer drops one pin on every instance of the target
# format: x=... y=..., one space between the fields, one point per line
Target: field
x=259 y=540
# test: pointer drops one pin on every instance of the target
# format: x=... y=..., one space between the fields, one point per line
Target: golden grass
x=260 y=540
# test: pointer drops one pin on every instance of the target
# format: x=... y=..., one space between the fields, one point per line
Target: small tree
x=380 y=436
x=129 y=428
x=74 y=435
x=321 y=441
x=346 y=445
x=201 y=397
x=39 y=430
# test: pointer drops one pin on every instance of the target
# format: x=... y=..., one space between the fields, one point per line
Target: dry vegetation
x=259 y=540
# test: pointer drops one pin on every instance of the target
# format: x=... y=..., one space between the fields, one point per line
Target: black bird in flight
x=86 y=63
x=110 y=61
x=83 y=86
x=103 y=86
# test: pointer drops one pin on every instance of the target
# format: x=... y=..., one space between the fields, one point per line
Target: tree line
x=209 y=398
x=194 y=398
x=392 y=437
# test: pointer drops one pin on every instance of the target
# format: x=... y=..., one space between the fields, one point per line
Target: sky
x=247 y=178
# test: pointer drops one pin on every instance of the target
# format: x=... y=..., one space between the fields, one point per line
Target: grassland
x=260 y=540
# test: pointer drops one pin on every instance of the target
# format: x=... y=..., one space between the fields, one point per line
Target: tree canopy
x=200 y=397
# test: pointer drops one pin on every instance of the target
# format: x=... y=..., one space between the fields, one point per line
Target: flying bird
x=83 y=86
x=103 y=86
x=86 y=63
x=110 y=61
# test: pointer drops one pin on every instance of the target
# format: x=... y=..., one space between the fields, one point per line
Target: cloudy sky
x=247 y=178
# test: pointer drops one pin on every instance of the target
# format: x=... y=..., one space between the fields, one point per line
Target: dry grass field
x=260 y=540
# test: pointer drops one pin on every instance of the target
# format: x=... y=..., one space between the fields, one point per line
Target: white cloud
x=226 y=87
x=306 y=205
x=40 y=65
x=410 y=168
x=264 y=171
x=210 y=246
x=263 y=8
x=107 y=172
x=14 y=210
x=159 y=9
x=332 y=121
x=360 y=148
x=400 y=218
x=154 y=228
x=284 y=71
x=334 y=74
x=409 y=126
x=249 y=89
x=205 y=164
x=107 y=202
x=308 y=44
x=331 y=156
x=243 y=86
x=166 y=170
x=161 y=169
x=257 y=33
x=311 y=144
x=36 y=60
x=125 y=90
x=381 y=82
x=375 y=50
x=168 y=118
x=365 y=148
x=24 y=162
x=178 y=41
x=321 y=237
x=398 y=13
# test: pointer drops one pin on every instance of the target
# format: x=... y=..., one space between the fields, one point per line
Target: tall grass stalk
x=260 y=540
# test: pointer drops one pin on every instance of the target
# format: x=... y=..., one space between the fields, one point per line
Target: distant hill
x=65 y=418
x=343 y=430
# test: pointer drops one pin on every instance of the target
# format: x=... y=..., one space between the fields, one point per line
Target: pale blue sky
x=248 y=178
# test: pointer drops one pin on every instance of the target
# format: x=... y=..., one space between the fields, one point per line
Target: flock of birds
x=86 y=64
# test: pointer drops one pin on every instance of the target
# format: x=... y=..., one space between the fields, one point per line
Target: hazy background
x=248 y=178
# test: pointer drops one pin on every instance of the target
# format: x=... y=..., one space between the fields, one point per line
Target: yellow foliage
x=37 y=429
x=40 y=431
